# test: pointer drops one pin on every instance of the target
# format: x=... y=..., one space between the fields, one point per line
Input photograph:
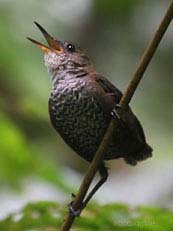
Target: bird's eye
x=71 y=47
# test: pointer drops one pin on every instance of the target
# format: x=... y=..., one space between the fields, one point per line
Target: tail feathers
x=145 y=153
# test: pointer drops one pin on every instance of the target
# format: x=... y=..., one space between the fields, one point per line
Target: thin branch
x=147 y=56
x=143 y=64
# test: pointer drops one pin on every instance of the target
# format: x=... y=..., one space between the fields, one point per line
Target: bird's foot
x=119 y=115
x=72 y=211
x=115 y=112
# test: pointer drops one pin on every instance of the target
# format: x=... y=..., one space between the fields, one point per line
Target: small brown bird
x=82 y=104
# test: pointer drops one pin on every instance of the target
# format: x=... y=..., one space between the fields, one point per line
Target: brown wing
x=131 y=126
x=109 y=88
x=131 y=120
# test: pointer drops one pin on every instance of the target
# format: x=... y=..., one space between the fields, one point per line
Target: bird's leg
x=118 y=114
x=115 y=114
x=103 y=177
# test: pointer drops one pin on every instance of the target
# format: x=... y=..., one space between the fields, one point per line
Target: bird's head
x=62 y=57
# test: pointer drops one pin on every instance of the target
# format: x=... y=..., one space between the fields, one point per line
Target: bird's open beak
x=53 y=44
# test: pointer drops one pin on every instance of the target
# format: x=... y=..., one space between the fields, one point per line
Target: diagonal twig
x=129 y=92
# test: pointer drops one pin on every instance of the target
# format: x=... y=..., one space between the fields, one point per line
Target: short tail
x=145 y=153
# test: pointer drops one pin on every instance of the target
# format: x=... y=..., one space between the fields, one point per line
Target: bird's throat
x=66 y=75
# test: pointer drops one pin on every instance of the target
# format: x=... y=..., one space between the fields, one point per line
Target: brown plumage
x=81 y=106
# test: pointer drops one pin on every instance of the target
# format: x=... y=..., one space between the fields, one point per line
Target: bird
x=81 y=105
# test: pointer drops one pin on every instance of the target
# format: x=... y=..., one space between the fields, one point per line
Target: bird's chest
x=75 y=112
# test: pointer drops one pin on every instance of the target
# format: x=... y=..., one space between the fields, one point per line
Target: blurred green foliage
x=19 y=117
x=18 y=159
x=48 y=216
x=24 y=85
x=111 y=8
